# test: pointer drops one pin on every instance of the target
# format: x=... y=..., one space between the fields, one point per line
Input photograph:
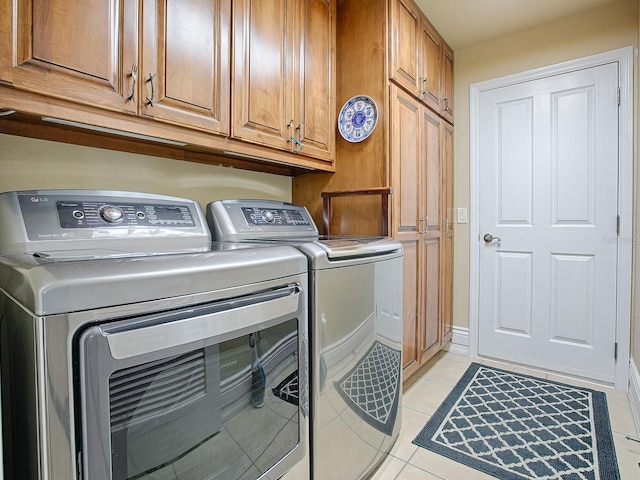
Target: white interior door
x=548 y=193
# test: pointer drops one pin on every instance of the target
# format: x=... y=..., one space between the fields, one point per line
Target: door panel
x=186 y=58
x=404 y=62
x=431 y=65
x=49 y=53
x=315 y=124
x=573 y=156
x=572 y=287
x=262 y=87
x=548 y=191
x=514 y=293
x=405 y=134
x=515 y=162
x=431 y=289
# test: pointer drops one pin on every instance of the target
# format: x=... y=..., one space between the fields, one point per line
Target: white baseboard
x=634 y=393
x=459 y=342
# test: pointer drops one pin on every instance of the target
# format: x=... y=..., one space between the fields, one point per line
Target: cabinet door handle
x=299 y=142
x=153 y=93
x=424 y=85
x=134 y=77
x=423 y=226
x=446 y=105
x=293 y=140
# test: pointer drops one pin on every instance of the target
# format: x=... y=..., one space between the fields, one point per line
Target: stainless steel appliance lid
x=280 y=222
x=48 y=221
x=47 y=287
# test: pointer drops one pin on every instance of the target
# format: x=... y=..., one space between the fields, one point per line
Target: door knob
x=488 y=238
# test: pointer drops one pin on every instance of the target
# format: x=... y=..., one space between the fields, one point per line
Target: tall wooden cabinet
x=416 y=219
x=388 y=50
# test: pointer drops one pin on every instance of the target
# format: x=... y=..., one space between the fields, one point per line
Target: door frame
x=624 y=57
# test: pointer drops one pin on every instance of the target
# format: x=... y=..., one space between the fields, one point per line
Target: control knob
x=111 y=214
x=268 y=216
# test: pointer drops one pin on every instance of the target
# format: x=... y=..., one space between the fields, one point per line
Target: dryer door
x=209 y=391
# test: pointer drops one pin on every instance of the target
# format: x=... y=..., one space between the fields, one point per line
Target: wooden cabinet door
x=406 y=154
x=431 y=65
x=185 y=74
x=447 y=237
x=430 y=184
x=315 y=79
x=404 y=48
x=262 y=87
x=416 y=179
x=447 y=84
x=77 y=51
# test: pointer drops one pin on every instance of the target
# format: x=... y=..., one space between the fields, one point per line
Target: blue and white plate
x=358 y=118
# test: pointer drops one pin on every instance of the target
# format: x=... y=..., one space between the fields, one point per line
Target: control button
x=268 y=216
x=79 y=214
x=111 y=214
x=140 y=215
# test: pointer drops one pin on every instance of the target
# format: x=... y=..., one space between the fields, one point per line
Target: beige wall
x=39 y=164
x=606 y=28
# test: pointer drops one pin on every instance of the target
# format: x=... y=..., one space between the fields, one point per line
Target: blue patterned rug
x=372 y=388
x=287 y=389
x=518 y=427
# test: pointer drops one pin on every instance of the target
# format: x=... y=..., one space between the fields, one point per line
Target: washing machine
x=355 y=331
x=131 y=347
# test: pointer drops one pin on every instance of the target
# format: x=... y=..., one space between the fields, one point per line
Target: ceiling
x=463 y=23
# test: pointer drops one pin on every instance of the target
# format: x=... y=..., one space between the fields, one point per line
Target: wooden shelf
x=385 y=192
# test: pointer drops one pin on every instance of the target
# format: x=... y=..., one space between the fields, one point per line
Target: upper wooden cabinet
x=78 y=51
x=184 y=75
x=173 y=61
x=405 y=46
x=446 y=89
x=283 y=75
x=315 y=99
x=431 y=61
x=262 y=89
x=419 y=60
x=87 y=52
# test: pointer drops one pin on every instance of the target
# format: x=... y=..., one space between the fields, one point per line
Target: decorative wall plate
x=358 y=118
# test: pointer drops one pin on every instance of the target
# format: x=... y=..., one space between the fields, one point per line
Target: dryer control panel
x=95 y=214
x=46 y=221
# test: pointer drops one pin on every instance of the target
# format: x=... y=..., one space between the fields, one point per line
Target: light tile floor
x=424 y=392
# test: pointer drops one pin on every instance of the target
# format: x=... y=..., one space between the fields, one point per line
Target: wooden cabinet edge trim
x=34 y=106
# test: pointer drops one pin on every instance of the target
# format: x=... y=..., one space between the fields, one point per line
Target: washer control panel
x=242 y=220
x=276 y=216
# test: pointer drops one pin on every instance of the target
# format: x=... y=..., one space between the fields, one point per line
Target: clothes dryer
x=132 y=348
